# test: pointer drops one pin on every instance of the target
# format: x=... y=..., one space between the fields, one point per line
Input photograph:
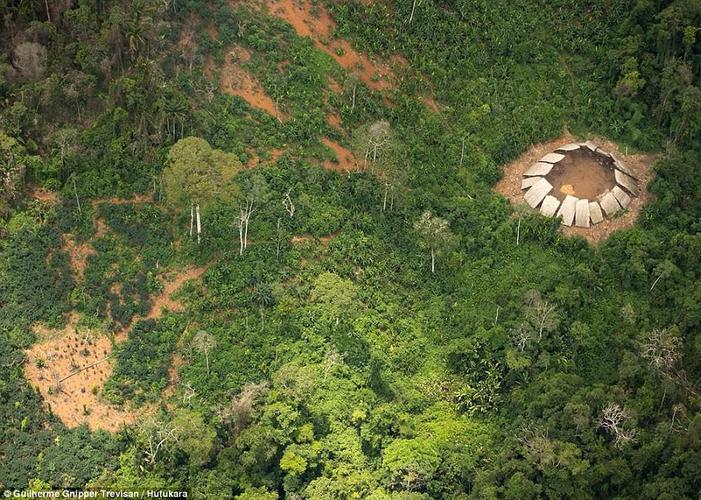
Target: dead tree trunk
x=277 y=250
x=240 y=225
x=199 y=225
x=79 y=370
x=433 y=261
x=544 y=311
x=249 y=211
x=287 y=203
x=77 y=200
x=413 y=9
x=192 y=219
x=658 y=279
x=246 y=211
x=155 y=443
x=277 y=110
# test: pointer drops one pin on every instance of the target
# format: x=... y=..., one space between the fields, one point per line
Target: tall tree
x=197 y=176
x=194 y=436
x=254 y=192
x=30 y=59
x=351 y=87
x=372 y=139
x=204 y=342
x=337 y=297
x=434 y=235
x=383 y=156
x=615 y=419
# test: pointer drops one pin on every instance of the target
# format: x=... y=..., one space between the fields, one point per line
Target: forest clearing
x=70 y=365
x=510 y=184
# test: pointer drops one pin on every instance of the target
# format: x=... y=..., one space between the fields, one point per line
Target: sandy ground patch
x=172 y=283
x=69 y=366
x=212 y=31
x=78 y=254
x=44 y=195
x=510 y=185
x=173 y=375
x=335 y=86
x=137 y=198
x=101 y=228
x=74 y=399
x=334 y=120
x=255 y=161
x=308 y=237
x=431 y=104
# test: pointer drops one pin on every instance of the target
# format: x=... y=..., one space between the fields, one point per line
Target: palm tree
x=262 y=296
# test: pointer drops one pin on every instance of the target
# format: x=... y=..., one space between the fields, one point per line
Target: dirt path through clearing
x=59 y=353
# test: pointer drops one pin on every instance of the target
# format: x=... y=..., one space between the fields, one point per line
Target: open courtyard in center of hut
x=581 y=173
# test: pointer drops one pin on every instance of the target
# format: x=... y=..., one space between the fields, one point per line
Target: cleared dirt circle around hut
x=641 y=164
x=581 y=173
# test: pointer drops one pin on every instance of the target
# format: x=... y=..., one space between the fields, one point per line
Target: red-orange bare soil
x=347 y=162
x=334 y=120
x=235 y=80
x=313 y=20
x=255 y=161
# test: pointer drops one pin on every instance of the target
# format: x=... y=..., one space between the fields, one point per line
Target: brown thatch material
x=609 y=203
x=539 y=169
x=595 y=212
x=621 y=196
x=528 y=182
x=552 y=158
x=627 y=182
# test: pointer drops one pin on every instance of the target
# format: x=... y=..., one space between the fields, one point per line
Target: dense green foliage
x=327 y=360
x=142 y=361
